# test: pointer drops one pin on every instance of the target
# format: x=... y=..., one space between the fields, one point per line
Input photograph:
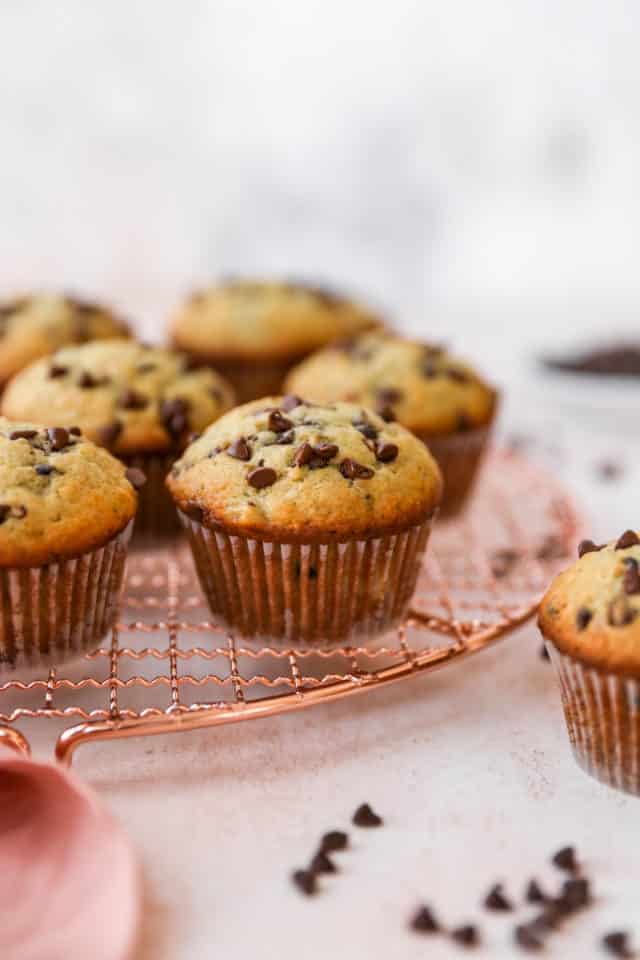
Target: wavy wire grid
x=168 y=666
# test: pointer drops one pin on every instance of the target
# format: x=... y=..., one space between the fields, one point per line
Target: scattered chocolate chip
x=108 y=434
x=262 y=477
x=365 y=817
x=87 y=381
x=322 y=864
x=534 y=893
x=58 y=437
x=550 y=918
x=44 y=469
x=565 y=859
x=544 y=653
x=423 y=921
x=136 y=477
x=303 y=455
x=352 y=470
x=385 y=452
x=23 y=434
x=305 y=881
x=527 y=937
x=57 y=370
x=496 y=900
x=290 y=402
x=621 y=614
x=617 y=944
x=326 y=451
x=333 y=841
x=365 y=428
x=503 y=562
x=588 y=546
x=239 y=450
x=386 y=412
x=576 y=895
x=75 y=431
x=459 y=376
x=628 y=539
x=631 y=579
x=584 y=616
x=132 y=400
x=277 y=423
x=466 y=936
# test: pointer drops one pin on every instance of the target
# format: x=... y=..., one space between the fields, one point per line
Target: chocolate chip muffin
x=590 y=619
x=254 y=331
x=439 y=398
x=141 y=402
x=307 y=522
x=66 y=512
x=34 y=326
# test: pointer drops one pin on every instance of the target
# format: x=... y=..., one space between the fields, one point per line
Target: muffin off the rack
x=141 y=402
x=34 y=326
x=307 y=523
x=429 y=392
x=590 y=618
x=254 y=331
x=66 y=508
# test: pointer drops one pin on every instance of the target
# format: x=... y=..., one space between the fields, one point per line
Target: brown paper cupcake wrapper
x=250 y=379
x=62 y=610
x=307 y=593
x=459 y=457
x=157 y=517
x=602 y=711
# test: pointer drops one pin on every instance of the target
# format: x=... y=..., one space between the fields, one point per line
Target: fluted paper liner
x=156 y=516
x=602 y=711
x=62 y=610
x=459 y=456
x=305 y=593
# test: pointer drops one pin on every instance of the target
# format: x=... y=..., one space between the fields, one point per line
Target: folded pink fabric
x=69 y=885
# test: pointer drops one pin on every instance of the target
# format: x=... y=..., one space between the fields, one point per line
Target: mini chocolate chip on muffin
x=66 y=511
x=590 y=618
x=300 y=529
x=423 y=387
x=254 y=331
x=35 y=326
x=141 y=402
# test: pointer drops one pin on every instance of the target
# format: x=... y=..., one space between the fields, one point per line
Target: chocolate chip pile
x=620 y=613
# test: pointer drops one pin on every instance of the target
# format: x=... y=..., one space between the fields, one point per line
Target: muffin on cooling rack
x=254 y=331
x=590 y=618
x=66 y=511
x=307 y=522
x=141 y=402
x=34 y=326
x=443 y=401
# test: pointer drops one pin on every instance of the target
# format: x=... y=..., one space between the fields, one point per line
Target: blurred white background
x=460 y=159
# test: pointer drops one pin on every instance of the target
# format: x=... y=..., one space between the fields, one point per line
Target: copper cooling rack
x=169 y=668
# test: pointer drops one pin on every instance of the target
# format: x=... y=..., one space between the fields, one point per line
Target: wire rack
x=169 y=668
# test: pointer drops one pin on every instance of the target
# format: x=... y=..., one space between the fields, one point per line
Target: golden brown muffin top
x=592 y=610
x=35 y=326
x=421 y=386
x=245 y=319
x=300 y=472
x=60 y=495
x=124 y=395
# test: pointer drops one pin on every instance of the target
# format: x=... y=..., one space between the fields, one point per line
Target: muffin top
x=281 y=467
x=592 y=610
x=60 y=495
x=421 y=386
x=243 y=319
x=34 y=326
x=124 y=395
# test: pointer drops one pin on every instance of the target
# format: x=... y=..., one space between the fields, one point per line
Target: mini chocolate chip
x=59 y=437
x=75 y=431
x=108 y=434
x=386 y=412
x=584 y=616
x=352 y=470
x=527 y=937
x=366 y=429
x=565 y=859
x=631 y=579
x=620 y=613
x=628 y=539
x=534 y=893
x=303 y=455
x=588 y=546
x=551 y=917
x=326 y=451
x=496 y=900
x=503 y=562
x=459 y=376
x=617 y=944
x=385 y=452
x=279 y=424
x=576 y=895
x=44 y=469
x=132 y=400
x=136 y=477
x=305 y=881
x=365 y=817
x=87 y=381
x=57 y=370
x=322 y=864
x=23 y=434
x=466 y=936
x=333 y=841
x=239 y=450
x=290 y=402
x=388 y=395
x=423 y=921
x=262 y=477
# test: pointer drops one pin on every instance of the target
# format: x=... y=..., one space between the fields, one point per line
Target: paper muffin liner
x=459 y=456
x=307 y=593
x=61 y=610
x=156 y=517
x=602 y=712
x=250 y=379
